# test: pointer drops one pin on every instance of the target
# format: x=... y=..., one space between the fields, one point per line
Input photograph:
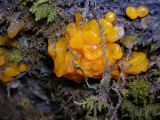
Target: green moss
x=139 y=105
x=139 y=90
x=89 y=104
x=146 y=112
x=43 y=9
x=14 y=54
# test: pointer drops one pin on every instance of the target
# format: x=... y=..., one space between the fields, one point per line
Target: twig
x=119 y=96
x=78 y=67
x=104 y=76
x=111 y=108
x=75 y=57
x=124 y=64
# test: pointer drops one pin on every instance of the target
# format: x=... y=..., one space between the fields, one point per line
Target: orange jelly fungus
x=15 y=26
x=116 y=33
x=22 y=67
x=3 y=59
x=12 y=71
x=78 y=18
x=136 y=64
x=86 y=44
x=4 y=40
x=142 y=11
x=110 y=16
x=106 y=25
x=133 y=12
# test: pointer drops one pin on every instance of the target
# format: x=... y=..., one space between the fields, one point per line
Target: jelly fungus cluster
x=9 y=70
x=86 y=44
x=6 y=41
x=15 y=26
x=133 y=12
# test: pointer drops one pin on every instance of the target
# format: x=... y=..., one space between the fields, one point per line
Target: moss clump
x=139 y=105
x=13 y=54
x=43 y=9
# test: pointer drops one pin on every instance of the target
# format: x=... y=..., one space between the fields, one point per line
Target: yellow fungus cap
x=5 y=78
x=22 y=67
x=110 y=16
x=115 y=34
x=14 y=28
x=12 y=70
x=131 y=12
x=142 y=11
x=3 y=60
x=136 y=64
x=106 y=25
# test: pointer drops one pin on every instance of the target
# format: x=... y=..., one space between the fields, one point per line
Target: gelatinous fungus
x=82 y=47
